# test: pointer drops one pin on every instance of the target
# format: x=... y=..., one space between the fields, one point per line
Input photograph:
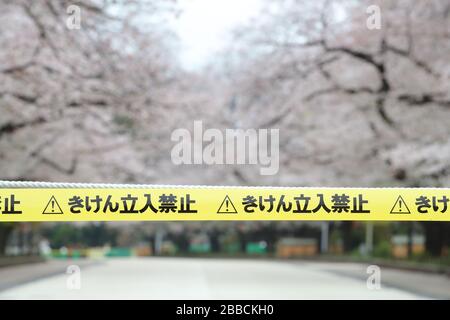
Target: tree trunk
x=435 y=237
x=410 y=238
x=346 y=229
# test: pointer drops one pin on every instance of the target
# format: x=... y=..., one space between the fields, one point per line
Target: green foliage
x=5 y=230
x=89 y=235
x=382 y=249
x=382 y=232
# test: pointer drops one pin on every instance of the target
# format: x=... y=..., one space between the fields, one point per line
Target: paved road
x=185 y=278
x=21 y=274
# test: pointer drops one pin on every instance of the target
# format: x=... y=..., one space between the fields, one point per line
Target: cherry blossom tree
x=356 y=105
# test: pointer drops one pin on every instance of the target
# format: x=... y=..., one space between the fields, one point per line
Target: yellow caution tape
x=223 y=203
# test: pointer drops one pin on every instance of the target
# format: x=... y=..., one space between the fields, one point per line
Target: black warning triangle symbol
x=52 y=207
x=227 y=206
x=400 y=206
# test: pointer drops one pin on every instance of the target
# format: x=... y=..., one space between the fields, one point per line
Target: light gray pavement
x=427 y=284
x=21 y=274
x=196 y=278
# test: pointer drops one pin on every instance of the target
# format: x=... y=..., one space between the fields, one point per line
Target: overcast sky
x=205 y=26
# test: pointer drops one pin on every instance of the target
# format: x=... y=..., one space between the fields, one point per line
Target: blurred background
x=356 y=106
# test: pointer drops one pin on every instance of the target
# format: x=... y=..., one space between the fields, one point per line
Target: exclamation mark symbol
x=53 y=205
x=400 y=204
x=226 y=204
